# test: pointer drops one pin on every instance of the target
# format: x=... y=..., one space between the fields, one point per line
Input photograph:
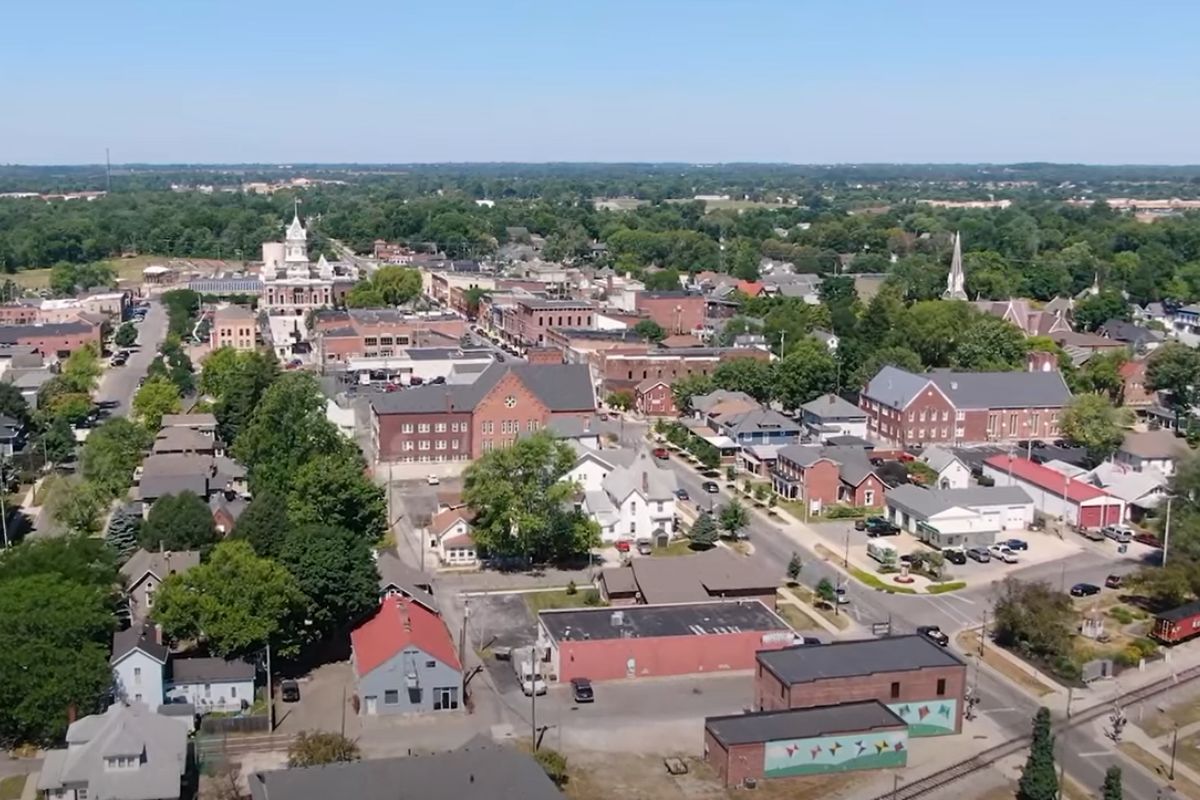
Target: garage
x=1055 y=494
x=970 y=517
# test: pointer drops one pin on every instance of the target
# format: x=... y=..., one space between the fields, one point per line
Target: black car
x=710 y=487
x=289 y=690
x=1015 y=544
x=934 y=634
x=878 y=526
x=681 y=494
x=581 y=690
x=1084 y=590
x=955 y=556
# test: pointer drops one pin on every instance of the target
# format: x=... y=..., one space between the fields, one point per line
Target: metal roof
x=802 y=723
x=831 y=406
x=852 y=658
x=210 y=670
x=653 y=621
x=896 y=388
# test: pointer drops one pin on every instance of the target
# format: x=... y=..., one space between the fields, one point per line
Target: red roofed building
x=750 y=288
x=1055 y=494
x=405 y=661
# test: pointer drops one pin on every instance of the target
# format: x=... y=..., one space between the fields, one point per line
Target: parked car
x=1084 y=590
x=798 y=639
x=934 y=634
x=1114 y=582
x=644 y=547
x=623 y=545
x=979 y=554
x=1091 y=533
x=1118 y=533
x=661 y=453
x=860 y=524
x=289 y=691
x=604 y=416
x=710 y=487
x=1015 y=544
x=955 y=555
x=841 y=596
x=878 y=526
x=1003 y=553
x=681 y=494
x=1148 y=539
x=433 y=480
x=581 y=690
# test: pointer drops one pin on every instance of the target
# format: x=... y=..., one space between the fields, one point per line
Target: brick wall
x=415 y=437
x=497 y=422
x=736 y=763
x=608 y=659
x=659 y=401
x=676 y=313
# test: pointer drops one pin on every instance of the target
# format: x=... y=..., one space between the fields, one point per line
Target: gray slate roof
x=802 y=723
x=763 y=420
x=699 y=577
x=139 y=637
x=562 y=387
x=938 y=458
x=703 y=402
x=486 y=773
x=395 y=574
x=644 y=474
x=851 y=658
x=924 y=502
x=210 y=670
x=159 y=564
x=134 y=730
x=831 y=406
x=897 y=388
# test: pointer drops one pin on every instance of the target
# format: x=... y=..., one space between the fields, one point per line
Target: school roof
x=652 y=621
x=853 y=658
x=802 y=723
x=398 y=624
x=561 y=387
x=896 y=388
x=1045 y=478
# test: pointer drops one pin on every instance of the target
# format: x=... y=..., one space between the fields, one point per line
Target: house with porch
x=212 y=684
x=450 y=537
x=830 y=415
x=757 y=426
x=820 y=477
x=635 y=501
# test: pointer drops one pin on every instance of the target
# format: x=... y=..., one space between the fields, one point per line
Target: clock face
x=510 y=401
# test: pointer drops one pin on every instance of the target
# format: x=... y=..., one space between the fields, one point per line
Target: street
x=119 y=384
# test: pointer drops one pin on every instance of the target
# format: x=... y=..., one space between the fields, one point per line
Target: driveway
x=325 y=703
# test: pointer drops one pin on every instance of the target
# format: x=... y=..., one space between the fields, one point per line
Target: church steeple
x=955 y=281
x=295 y=243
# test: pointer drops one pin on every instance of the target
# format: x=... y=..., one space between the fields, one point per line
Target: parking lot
x=499 y=621
x=326 y=697
x=1043 y=547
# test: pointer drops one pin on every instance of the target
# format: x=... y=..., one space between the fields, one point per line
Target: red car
x=661 y=453
x=1147 y=539
x=623 y=545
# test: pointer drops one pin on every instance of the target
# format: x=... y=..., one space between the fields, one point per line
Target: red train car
x=1178 y=624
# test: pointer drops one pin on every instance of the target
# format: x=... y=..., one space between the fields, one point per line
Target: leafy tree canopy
x=264 y=524
x=336 y=572
x=179 y=522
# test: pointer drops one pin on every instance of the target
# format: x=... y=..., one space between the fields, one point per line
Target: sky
x=401 y=81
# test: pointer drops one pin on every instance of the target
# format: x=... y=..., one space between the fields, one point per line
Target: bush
x=848 y=512
x=554 y=763
x=1121 y=614
x=571 y=588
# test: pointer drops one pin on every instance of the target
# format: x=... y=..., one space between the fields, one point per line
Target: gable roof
x=394 y=573
x=703 y=402
x=472 y=773
x=699 y=577
x=159 y=564
x=560 y=387
x=643 y=475
x=758 y=420
x=445 y=520
x=211 y=670
x=401 y=623
x=896 y=388
x=1045 y=478
x=831 y=406
x=929 y=502
x=183 y=440
x=938 y=458
x=1159 y=444
x=138 y=637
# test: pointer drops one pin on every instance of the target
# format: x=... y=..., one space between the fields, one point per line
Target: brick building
x=532 y=317
x=53 y=339
x=460 y=422
x=963 y=407
x=657 y=640
x=653 y=398
x=825 y=476
x=340 y=335
x=626 y=367
x=922 y=683
x=676 y=312
x=233 y=326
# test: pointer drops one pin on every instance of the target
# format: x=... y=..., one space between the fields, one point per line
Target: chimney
x=645 y=482
x=158 y=634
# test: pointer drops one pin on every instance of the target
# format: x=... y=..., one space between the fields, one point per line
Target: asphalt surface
x=119 y=384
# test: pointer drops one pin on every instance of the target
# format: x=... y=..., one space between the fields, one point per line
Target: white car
x=433 y=480
x=1003 y=553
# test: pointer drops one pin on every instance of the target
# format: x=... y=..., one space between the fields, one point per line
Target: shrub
x=571 y=588
x=847 y=512
x=554 y=763
x=1121 y=614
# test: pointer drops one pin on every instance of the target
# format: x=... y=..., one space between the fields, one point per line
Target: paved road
x=119 y=384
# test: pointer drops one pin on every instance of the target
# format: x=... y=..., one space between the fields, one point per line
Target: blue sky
x=600 y=80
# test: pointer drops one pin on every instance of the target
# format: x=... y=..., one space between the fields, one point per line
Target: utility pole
x=462 y=648
x=846 y=555
x=270 y=693
x=533 y=676
x=1167 y=530
x=983 y=634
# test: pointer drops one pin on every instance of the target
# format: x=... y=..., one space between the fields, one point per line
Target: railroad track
x=944 y=777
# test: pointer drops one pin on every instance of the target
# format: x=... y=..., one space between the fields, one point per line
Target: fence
x=257 y=723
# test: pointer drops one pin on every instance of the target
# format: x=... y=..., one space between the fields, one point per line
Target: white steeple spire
x=955 y=288
x=295 y=243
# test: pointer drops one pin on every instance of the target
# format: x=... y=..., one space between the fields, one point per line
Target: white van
x=883 y=552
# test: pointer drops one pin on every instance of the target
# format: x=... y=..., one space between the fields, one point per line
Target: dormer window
x=121 y=762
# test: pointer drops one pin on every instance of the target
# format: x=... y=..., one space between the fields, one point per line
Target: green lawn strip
x=876 y=583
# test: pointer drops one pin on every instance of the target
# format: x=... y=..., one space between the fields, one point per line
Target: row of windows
x=511 y=426
x=438 y=427
x=932 y=416
x=439 y=444
x=428 y=459
x=384 y=341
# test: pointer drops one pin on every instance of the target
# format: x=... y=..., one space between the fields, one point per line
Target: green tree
x=314 y=748
x=217 y=371
x=157 y=397
x=236 y=601
x=794 y=566
x=1102 y=375
x=666 y=280
x=242 y=393
x=900 y=357
x=826 y=591
x=287 y=431
x=365 y=294
x=1034 y=619
x=111 y=453
x=705 y=531
x=13 y=404
x=1111 y=790
x=179 y=522
x=124 y=531
x=748 y=375
x=744 y=260
x=473 y=297
x=126 y=335
x=333 y=489
x=335 y=570
x=1038 y=779
x=71 y=407
x=523 y=504
x=82 y=369
x=80 y=559
x=1093 y=422
x=990 y=345
x=734 y=517
x=58 y=441
x=76 y=505
x=53 y=655
x=1172 y=585
x=1174 y=368
x=932 y=329
x=398 y=285
x=687 y=387
x=622 y=400
x=1094 y=310
x=650 y=331
x=807 y=372
x=264 y=524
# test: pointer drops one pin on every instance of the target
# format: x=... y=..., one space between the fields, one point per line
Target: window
x=912 y=417
x=424 y=445
x=81 y=794
x=423 y=427
x=391 y=697
x=208 y=690
x=510 y=401
x=895 y=690
x=869 y=497
x=533 y=425
x=233 y=691
x=1035 y=422
x=960 y=415
x=1012 y=424
x=430 y=664
x=923 y=413
x=487 y=427
x=408 y=445
x=439 y=427
x=441 y=445
x=941 y=688
x=781 y=690
x=137 y=675
x=454 y=444
x=406 y=428
x=445 y=698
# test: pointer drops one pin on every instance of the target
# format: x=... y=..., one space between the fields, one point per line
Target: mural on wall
x=932 y=718
x=788 y=757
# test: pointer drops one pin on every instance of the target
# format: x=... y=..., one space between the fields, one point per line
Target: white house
x=212 y=684
x=450 y=537
x=593 y=465
x=139 y=660
x=952 y=473
x=635 y=501
x=959 y=517
x=829 y=415
x=1151 y=450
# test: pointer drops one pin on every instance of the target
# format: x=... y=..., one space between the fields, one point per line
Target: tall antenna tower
x=107 y=173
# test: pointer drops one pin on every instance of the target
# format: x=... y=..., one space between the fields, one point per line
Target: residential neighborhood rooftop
x=400 y=623
x=802 y=723
x=205 y=670
x=649 y=621
x=851 y=658
x=831 y=406
x=1045 y=478
x=1157 y=444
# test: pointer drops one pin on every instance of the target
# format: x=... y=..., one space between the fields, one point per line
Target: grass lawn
x=1158 y=763
x=676 y=547
x=948 y=586
x=128 y=269
x=558 y=598
x=876 y=582
x=10 y=787
x=1188 y=751
x=796 y=617
x=1156 y=723
x=839 y=621
x=969 y=642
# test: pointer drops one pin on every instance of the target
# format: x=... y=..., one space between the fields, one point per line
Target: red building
x=921 y=682
x=380 y=332
x=653 y=398
x=53 y=339
x=460 y=422
x=1055 y=494
x=656 y=640
x=826 y=476
x=911 y=409
x=534 y=316
x=626 y=367
x=676 y=312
